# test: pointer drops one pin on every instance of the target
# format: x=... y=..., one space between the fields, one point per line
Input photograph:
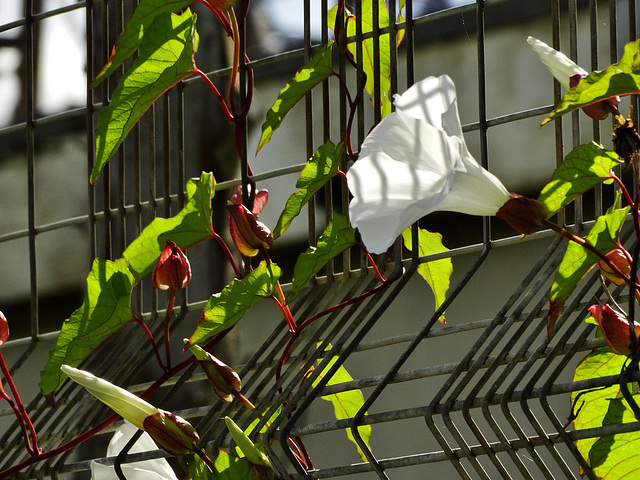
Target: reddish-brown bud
x=172 y=271
x=248 y=233
x=524 y=215
x=621 y=259
x=222 y=378
x=615 y=328
x=4 y=329
x=259 y=201
x=172 y=433
x=599 y=110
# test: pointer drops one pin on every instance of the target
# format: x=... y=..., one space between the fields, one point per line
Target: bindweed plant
x=414 y=162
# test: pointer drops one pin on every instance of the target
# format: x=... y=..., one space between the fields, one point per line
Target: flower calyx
x=172 y=433
x=569 y=74
x=222 y=378
x=615 y=327
x=172 y=270
x=248 y=233
x=524 y=215
x=621 y=259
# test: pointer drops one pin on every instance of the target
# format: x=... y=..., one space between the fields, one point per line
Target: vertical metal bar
x=578 y=204
x=555 y=27
x=166 y=153
x=593 y=30
x=30 y=47
x=308 y=108
x=91 y=191
x=409 y=39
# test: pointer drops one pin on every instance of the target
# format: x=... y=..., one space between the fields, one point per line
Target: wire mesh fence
x=484 y=396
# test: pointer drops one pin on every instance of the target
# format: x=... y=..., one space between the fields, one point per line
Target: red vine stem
x=215 y=91
x=171 y=299
x=145 y=329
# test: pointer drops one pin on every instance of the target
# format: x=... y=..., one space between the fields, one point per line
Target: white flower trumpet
x=155 y=469
x=124 y=403
x=416 y=162
x=171 y=432
x=561 y=67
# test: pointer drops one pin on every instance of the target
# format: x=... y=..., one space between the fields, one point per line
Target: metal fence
x=485 y=396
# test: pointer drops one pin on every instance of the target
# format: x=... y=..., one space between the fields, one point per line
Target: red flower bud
x=524 y=215
x=173 y=271
x=621 y=259
x=222 y=378
x=260 y=200
x=248 y=233
x=4 y=329
x=172 y=433
x=615 y=328
x=599 y=110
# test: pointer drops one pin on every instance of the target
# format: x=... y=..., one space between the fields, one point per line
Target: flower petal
x=416 y=162
x=121 y=401
x=560 y=66
x=156 y=469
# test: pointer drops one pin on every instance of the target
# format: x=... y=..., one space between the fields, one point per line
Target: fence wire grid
x=484 y=396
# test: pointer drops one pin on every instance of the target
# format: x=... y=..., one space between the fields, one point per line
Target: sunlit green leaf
x=166 y=57
x=228 y=467
x=317 y=70
x=622 y=78
x=345 y=404
x=612 y=456
x=319 y=170
x=370 y=64
x=337 y=237
x=585 y=167
x=577 y=260
x=198 y=470
x=105 y=310
x=188 y=227
x=436 y=273
x=134 y=31
x=224 y=309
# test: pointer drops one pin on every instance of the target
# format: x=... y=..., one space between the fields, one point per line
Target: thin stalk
x=32 y=446
x=145 y=329
x=171 y=299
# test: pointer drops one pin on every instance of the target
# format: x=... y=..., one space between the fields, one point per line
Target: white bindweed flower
x=416 y=162
x=124 y=403
x=155 y=469
x=560 y=66
x=569 y=75
x=171 y=432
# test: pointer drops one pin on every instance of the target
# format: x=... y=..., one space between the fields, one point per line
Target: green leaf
x=577 y=260
x=345 y=404
x=198 y=470
x=437 y=273
x=224 y=309
x=585 y=167
x=622 y=78
x=337 y=237
x=105 y=310
x=314 y=72
x=188 y=227
x=612 y=456
x=319 y=170
x=134 y=31
x=228 y=467
x=166 y=57
x=369 y=63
